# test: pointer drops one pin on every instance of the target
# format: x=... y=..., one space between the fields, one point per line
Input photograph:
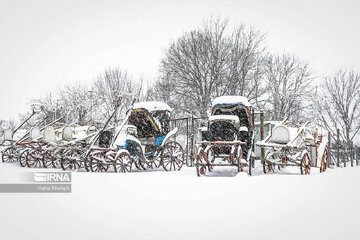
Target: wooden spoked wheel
x=71 y=160
x=154 y=163
x=34 y=158
x=56 y=160
x=97 y=162
x=324 y=161
x=201 y=163
x=123 y=163
x=144 y=164
x=172 y=156
x=239 y=157
x=210 y=154
x=22 y=157
x=267 y=165
x=9 y=155
x=305 y=165
x=48 y=158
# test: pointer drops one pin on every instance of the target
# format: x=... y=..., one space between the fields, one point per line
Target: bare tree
x=339 y=104
x=246 y=64
x=75 y=102
x=115 y=88
x=209 y=62
x=288 y=84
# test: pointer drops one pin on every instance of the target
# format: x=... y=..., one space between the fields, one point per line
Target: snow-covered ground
x=179 y=205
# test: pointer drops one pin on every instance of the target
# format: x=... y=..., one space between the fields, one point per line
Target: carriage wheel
x=324 y=161
x=201 y=163
x=34 y=158
x=239 y=156
x=154 y=163
x=137 y=164
x=22 y=157
x=144 y=164
x=267 y=165
x=48 y=159
x=210 y=154
x=57 y=155
x=97 y=162
x=123 y=163
x=9 y=155
x=172 y=156
x=70 y=160
x=305 y=165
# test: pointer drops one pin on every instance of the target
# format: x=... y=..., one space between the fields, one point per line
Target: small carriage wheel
x=123 y=163
x=201 y=162
x=172 y=156
x=137 y=164
x=267 y=165
x=9 y=155
x=97 y=162
x=22 y=157
x=47 y=159
x=68 y=162
x=324 y=161
x=210 y=154
x=56 y=160
x=305 y=165
x=34 y=158
x=239 y=156
x=154 y=163
x=143 y=164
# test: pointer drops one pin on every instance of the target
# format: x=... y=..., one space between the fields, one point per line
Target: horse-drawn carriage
x=227 y=140
x=74 y=140
x=291 y=144
x=143 y=139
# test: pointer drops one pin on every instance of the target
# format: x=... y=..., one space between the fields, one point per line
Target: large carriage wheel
x=123 y=163
x=22 y=157
x=34 y=158
x=48 y=158
x=201 y=163
x=71 y=160
x=324 y=161
x=172 y=156
x=9 y=155
x=267 y=165
x=97 y=162
x=305 y=165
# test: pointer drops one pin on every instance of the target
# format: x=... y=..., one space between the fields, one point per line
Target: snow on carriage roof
x=153 y=106
x=224 y=117
x=231 y=100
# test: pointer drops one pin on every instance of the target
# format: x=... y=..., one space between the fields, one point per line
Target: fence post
x=344 y=158
x=187 y=142
x=357 y=156
x=329 y=149
x=352 y=155
x=192 y=140
x=338 y=148
x=262 y=135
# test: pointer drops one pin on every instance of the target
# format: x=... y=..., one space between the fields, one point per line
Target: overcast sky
x=46 y=43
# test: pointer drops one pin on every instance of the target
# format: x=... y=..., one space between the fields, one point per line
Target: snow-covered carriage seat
x=282 y=134
x=224 y=127
x=152 y=120
x=231 y=108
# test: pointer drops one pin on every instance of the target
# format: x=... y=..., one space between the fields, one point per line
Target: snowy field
x=179 y=205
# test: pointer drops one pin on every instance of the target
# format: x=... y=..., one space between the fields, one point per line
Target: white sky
x=46 y=43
